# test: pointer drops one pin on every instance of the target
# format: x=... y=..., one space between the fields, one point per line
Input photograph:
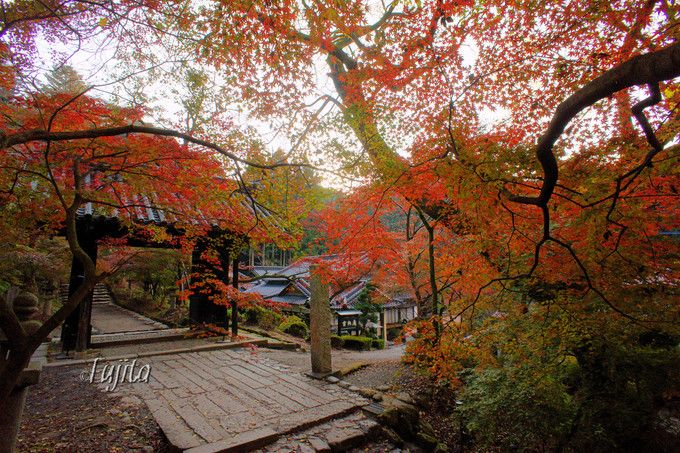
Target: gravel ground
x=65 y=414
x=378 y=374
x=341 y=358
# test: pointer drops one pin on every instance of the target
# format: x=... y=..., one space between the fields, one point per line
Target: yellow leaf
x=103 y=21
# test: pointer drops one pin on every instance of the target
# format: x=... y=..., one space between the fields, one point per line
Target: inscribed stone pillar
x=320 y=324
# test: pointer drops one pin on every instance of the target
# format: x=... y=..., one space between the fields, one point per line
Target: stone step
x=138 y=337
x=100 y=293
x=338 y=435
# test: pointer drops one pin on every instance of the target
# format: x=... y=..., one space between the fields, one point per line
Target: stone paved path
x=230 y=399
x=108 y=317
x=342 y=358
x=138 y=336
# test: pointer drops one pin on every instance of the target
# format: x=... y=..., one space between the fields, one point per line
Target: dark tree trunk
x=75 y=333
x=234 y=304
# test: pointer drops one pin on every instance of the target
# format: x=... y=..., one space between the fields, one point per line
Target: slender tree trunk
x=85 y=315
x=434 y=300
x=423 y=309
x=234 y=304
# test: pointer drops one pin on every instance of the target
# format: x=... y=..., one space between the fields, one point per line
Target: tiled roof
x=292 y=300
x=142 y=208
x=268 y=289
x=273 y=287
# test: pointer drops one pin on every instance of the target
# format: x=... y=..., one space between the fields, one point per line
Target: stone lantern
x=25 y=306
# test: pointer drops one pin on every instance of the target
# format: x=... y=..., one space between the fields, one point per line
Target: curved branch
x=648 y=69
x=41 y=135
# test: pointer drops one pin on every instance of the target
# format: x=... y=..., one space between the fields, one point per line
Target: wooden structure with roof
x=289 y=286
x=93 y=226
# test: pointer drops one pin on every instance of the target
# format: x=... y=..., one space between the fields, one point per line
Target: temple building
x=289 y=286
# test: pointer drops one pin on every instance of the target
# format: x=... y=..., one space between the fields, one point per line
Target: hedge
x=337 y=342
x=378 y=343
x=393 y=333
x=356 y=342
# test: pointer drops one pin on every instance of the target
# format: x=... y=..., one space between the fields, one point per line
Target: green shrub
x=620 y=388
x=507 y=412
x=356 y=342
x=250 y=315
x=294 y=326
x=269 y=319
x=337 y=342
x=603 y=398
x=261 y=317
x=378 y=343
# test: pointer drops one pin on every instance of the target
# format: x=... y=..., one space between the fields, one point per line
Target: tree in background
x=370 y=310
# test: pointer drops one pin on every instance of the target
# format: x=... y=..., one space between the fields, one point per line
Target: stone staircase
x=100 y=294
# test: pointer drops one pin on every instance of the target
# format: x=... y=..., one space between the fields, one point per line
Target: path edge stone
x=208 y=347
x=267 y=436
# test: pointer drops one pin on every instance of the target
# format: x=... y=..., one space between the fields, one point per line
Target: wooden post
x=320 y=325
x=383 y=323
x=197 y=301
x=234 y=305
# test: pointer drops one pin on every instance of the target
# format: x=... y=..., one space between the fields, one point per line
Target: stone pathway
x=110 y=321
x=108 y=318
x=341 y=358
x=235 y=400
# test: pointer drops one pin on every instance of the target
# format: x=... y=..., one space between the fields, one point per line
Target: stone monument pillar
x=320 y=325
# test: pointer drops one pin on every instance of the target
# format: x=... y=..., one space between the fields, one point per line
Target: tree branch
x=49 y=136
x=648 y=69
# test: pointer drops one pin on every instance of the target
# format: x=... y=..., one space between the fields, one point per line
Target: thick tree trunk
x=10 y=370
x=10 y=419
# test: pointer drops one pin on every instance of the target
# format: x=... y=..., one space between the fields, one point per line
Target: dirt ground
x=65 y=414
